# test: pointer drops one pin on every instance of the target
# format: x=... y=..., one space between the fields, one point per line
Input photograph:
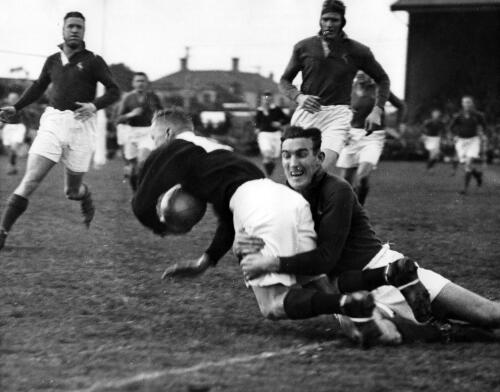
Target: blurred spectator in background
x=433 y=129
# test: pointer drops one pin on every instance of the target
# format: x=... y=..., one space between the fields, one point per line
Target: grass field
x=86 y=310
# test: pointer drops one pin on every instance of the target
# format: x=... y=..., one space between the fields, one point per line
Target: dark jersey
x=73 y=82
x=467 y=125
x=346 y=240
x=210 y=176
x=330 y=77
x=263 y=120
x=149 y=102
x=434 y=127
x=362 y=105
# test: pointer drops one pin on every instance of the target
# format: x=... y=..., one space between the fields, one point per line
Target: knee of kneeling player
x=273 y=310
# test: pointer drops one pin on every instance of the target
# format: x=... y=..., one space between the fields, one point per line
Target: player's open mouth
x=296 y=173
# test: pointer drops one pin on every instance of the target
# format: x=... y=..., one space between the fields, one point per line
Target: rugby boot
x=463 y=333
x=3 y=238
x=403 y=275
x=359 y=307
x=87 y=208
x=479 y=177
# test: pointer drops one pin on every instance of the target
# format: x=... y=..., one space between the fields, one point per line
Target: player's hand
x=245 y=244
x=188 y=268
x=257 y=264
x=135 y=112
x=275 y=124
x=373 y=120
x=310 y=103
x=85 y=111
x=6 y=112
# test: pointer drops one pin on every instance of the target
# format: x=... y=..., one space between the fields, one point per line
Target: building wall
x=451 y=54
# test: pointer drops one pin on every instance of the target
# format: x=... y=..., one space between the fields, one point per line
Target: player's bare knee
x=273 y=309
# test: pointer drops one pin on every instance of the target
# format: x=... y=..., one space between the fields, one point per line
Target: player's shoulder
x=356 y=47
x=306 y=42
x=333 y=185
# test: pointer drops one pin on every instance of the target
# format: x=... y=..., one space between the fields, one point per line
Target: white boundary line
x=148 y=376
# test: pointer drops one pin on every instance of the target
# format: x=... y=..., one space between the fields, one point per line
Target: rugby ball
x=179 y=210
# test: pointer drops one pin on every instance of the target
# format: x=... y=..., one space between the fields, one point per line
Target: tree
x=123 y=75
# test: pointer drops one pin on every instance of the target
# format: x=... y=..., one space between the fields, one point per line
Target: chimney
x=236 y=64
x=271 y=75
x=184 y=64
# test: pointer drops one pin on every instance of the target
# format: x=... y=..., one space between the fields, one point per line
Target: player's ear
x=321 y=156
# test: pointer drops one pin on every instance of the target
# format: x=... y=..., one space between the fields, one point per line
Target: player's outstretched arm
x=188 y=268
x=6 y=112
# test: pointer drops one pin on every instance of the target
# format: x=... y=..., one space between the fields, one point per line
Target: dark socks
x=351 y=281
x=362 y=190
x=13 y=158
x=15 y=207
x=468 y=176
x=269 y=168
x=306 y=303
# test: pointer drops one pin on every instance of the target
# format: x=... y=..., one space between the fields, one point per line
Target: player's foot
x=459 y=332
x=87 y=208
x=403 y=274
x=479 y=178
x=12 y=171
x=359 y=307
x=3 y=238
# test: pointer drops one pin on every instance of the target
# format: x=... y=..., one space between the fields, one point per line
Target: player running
x=469 y=126
x=349 y=251
x=68 y=125
x=433 y=129
x=243 y=200
x=328 y=63
x=268 y=123
x=13 y=134
x=363 y=150
x=134 y=121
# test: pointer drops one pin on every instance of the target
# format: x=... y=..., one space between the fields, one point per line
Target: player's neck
x=71 y=51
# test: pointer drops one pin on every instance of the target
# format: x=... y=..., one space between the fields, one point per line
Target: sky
x=152 y=35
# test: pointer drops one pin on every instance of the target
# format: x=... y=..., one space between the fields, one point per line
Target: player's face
x=299 y=161
x=267 y=99
x=331 y=24
x=139 y=83
x=73 y=31
x=436 y=114
x=12 y=98
x=159 y=132
x=467 y=103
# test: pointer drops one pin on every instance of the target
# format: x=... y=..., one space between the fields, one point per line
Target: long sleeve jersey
x=149 y=103
x=467 y=125
x=346 y=240
x=330 y=77
x=74 y=81
x=210 y=176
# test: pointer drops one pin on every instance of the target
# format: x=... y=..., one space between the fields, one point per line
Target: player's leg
x=75 y=189
x=37 y=168
x=456 y=302
x=362 y=184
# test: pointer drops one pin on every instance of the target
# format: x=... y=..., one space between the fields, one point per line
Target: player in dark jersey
x=348 y=249
x=433 y=129
x=363 y=150
x=68 y=125
x=136 y=112
x=269 y=120
x=13 y=134
x=469 y=126
x=328 y=63
x=243 y=200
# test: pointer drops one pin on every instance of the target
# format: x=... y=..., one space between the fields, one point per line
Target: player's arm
x=103 y=75
x=286 y=81
x=373 y=69
x=401 y=107
x=124 y=111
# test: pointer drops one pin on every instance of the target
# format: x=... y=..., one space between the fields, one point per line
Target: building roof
x=199 y=80
x=445 y=5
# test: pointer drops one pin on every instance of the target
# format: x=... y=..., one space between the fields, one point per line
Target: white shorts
x=432 y=143
x=13 y=134
x=468 y=148
x=62 y=138
x=390 y=296
x=361 y=148
x=278 y=215
x=270 y=144
x=139 y=138
x=122 y=131
x=333 y=121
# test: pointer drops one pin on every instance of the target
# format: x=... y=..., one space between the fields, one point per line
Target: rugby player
x=469 y=126
x=135 y=112
x=433 y=129
x=349 y=251
x=362 y=152
x=243 y=200
x=328 y=63
x=268 y=122
x=13 y=134
x=68 y=125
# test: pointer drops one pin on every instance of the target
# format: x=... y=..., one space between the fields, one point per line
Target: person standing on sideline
x=135 y=112
x=328 y=63
x=268 y=122
x=13 y=134
x=468 y=127
x=433 y=129
x=68 y=125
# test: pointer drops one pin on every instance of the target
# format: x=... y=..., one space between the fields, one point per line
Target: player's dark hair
x=74 y=14
x=140 y=73
x=175 y=115
x=314 y=134
x=336 y=6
